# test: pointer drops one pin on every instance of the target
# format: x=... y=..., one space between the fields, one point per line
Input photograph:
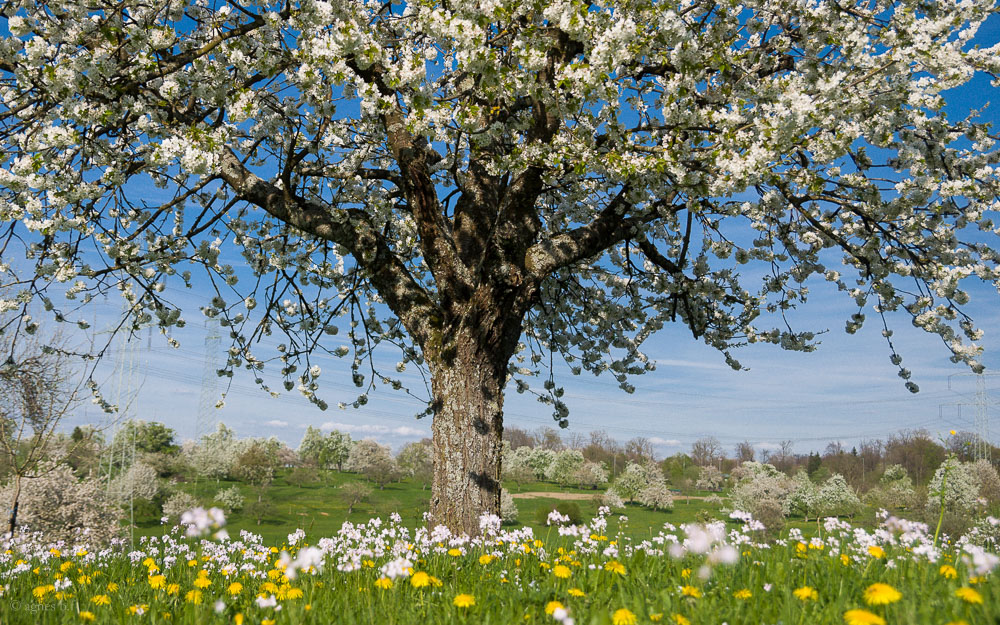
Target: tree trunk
x=468 y=423
x=14 y=504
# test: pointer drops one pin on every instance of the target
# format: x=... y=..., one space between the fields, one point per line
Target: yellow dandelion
x=690 y=591
x=685 y=573
x=680 y=619
x=615 y=567
x=561 y=571
x=65 y=566
x=624 y=616
x=464 y=601
x=384 y=583
x=486 y=559
x=267 y=621
x=948 y=571
x=87 y=616
x=876 y=552
x=742 y=594
x=294 y=593
x=202 y=582
x=100 y=600
x=881 y=594
x=845 y=560
x=969 y=595
x=552 y=606
x=193 y=596
x=453 y=552
x=806 y=593
x=41 y=591
x=576 y=592
x=862 y=617
x=657 y=617
x=420 y=579
x=173 y=589
x=235 y=588
x=157 y=581
x=238 y=619
x=269 y=587
x=112 y=586
x=192 y=562
x=138 y=610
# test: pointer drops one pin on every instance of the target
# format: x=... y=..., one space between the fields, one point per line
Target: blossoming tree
x=481 y=183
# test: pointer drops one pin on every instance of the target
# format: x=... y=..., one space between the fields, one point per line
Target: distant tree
x=917 y=451
x=145 y=437
x=215 y=456
x=257 y=464
x=705 y=451
x=958 y=493
x=548 y=438
x=894 y=490
x=230 y=499
x=508 y=507
x=745 y=452
x=138 y=481
x=639 y=449
x=803 y=498
x=836 y=497
x=353 y=493
x=962 y=444
x=631 y=481
x=177 y=504
x=655 y=493
x=374 y=461
x=517 y=437
x=987 y=479
x=326 y=452
x=709 y=478
x=515 y=466
x=813 y=464
x=416 y=461
x=302 y=476
x=681 y=470
x=591 y=475
x=539 y=460
x=760 y=489
x=564 y=466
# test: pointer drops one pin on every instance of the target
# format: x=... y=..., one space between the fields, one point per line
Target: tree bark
x=468 y=388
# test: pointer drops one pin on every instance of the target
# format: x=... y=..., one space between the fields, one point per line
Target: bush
x=565 y=508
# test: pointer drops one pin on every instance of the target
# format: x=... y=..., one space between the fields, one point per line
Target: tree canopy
x=484 y=184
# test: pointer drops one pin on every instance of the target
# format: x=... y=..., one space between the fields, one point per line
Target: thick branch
x=350 y=228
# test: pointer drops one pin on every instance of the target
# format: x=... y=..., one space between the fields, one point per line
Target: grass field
x=319 y=507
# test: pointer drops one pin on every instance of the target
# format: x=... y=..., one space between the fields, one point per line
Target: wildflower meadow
x=384 y=572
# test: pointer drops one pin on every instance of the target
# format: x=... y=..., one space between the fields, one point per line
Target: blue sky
x=847 y=390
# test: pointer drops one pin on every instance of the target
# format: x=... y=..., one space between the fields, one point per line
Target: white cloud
x=656 y=440
x=278 y=423
x=352 y=428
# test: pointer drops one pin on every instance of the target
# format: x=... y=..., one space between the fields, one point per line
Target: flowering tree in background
x=481 y=184
x=53 y=501
x=564 y=466
x=956 y=493
x=327 y=452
